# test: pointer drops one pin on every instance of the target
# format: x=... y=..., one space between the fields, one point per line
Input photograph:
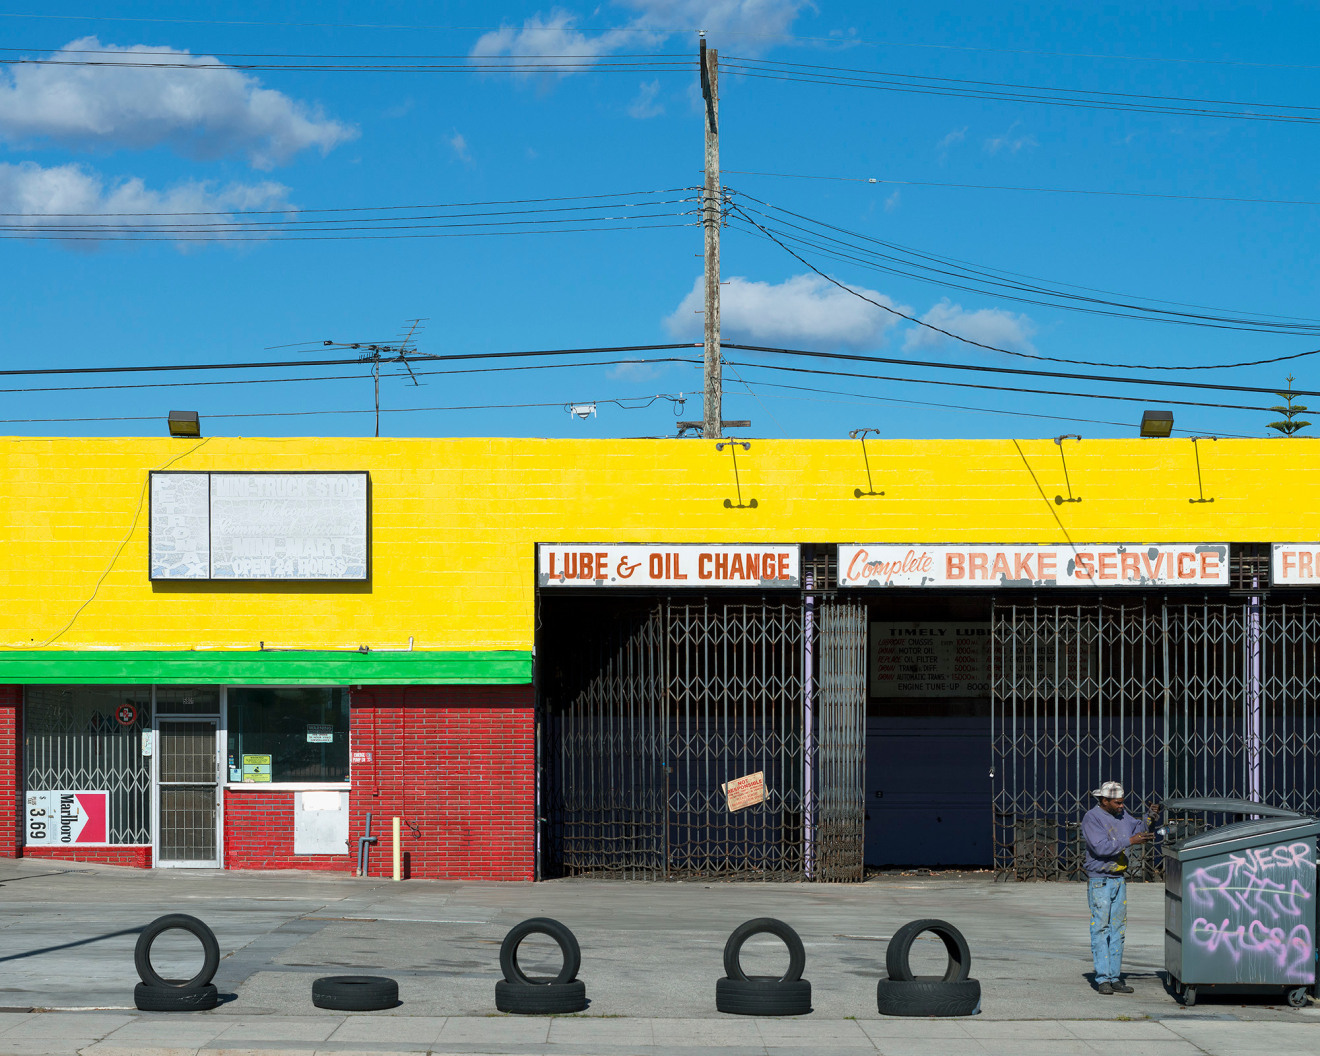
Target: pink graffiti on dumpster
x=1257 y=907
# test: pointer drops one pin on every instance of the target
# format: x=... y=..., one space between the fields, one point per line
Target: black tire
x=927 y=997
x=181 y=922
x=355 y=993
x=897 y=965
x=797 y=955
x=568 y=945
x=763 y=995
x=541 y=999
x=175 y=999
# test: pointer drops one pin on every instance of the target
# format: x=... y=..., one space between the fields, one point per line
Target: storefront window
x=288 y=734
x=86 y=780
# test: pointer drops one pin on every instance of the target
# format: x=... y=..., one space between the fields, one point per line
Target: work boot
x=1121 y=988
x=1105 y=988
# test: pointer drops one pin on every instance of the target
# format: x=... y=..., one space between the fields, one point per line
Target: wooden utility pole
x=712 y=218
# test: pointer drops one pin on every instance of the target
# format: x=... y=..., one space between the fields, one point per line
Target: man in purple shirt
x=1109 y=831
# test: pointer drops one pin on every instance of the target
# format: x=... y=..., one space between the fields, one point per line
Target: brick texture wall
x=11 y=769
x=259 y=834
x=457 y=763
x=135 y=855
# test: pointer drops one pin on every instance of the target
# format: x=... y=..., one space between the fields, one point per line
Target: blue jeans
x=1108 y=901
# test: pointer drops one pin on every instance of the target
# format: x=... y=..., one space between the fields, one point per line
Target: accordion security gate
x=1171 y=697
x=651 y=705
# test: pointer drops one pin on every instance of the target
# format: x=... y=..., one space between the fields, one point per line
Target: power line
x=970 y=341
x=950 y=273
x=412 y=357
x=486 y=65
x=858 y=397
x=53 y=235
x=1037 y=190
x=385 y=208
x=1108 y=379
x=882 y=80
x=1005 y=388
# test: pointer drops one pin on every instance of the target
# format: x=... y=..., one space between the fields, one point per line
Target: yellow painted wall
x=454 y=522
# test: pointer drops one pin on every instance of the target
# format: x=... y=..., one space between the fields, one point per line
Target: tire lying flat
x=763 y=995
x=176 y=922
x=540 y=999
x=927 y=997
x=897 y=955
x=175 y=998
x=355 y=993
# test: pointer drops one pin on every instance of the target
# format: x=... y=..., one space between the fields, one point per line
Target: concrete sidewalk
x=114 y=1034
x=650 y=956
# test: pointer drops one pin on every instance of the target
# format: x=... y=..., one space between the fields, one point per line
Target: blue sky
x=1176 y=184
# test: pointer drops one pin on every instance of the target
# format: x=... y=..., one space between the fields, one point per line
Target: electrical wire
x=151 y=60
x=1017 y=371
x=1126 y=102
x=387 y=208
x=1012 y=282
x=1012 y=187
x=981 y=344
x=857 y=397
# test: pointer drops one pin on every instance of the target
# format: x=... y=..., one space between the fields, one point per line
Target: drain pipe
x=363 y=842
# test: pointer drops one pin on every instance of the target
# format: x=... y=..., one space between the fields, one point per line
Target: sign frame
x=1032 y=567
x=210 y=552
x=45 y=796
x=667 y=566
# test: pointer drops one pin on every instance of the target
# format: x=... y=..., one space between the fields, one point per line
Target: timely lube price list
x=930 y=659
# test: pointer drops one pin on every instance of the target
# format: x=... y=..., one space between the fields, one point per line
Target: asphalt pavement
x=651 y=954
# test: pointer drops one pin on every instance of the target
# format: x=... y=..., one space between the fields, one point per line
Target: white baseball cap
x=1109 y=790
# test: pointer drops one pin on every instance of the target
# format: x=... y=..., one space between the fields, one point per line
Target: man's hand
x=1141 y=837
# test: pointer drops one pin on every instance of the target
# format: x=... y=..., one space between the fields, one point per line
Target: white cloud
x=891 y=203
x=555 y=35
x=644 y=105
x=1010 y=141
x=989 y=326
x=212 y=113
x=55 y=197
x=635 y=370
x=552 y=37
x=951 y=140
x=458 y=143
x=720 y=18
x=804 y=309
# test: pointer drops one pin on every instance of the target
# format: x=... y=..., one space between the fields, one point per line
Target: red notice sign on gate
x=743 y=792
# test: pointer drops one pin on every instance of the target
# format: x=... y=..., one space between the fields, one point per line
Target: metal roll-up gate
x=651 y=704
x=1175 y=698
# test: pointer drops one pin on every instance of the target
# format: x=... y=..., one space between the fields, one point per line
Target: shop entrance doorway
x=187 y=793
x=651 y=703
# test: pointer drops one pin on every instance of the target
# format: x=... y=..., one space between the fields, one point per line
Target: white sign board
x=264 y=526
x=992 y=565
x=667 y=565
x=1294 y=563
x=930 y=659
x=64 y=817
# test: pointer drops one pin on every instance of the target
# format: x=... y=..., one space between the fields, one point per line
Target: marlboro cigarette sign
x=744 y=792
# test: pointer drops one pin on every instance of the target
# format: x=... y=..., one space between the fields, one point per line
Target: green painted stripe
x=313 y=667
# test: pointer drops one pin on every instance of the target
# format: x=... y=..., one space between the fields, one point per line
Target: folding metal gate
x=651 y=705
x=1171 y=697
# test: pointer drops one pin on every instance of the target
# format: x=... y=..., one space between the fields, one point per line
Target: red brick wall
x=11 y=769
x=259 y=834
x=458 y=762
x=135 y=855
